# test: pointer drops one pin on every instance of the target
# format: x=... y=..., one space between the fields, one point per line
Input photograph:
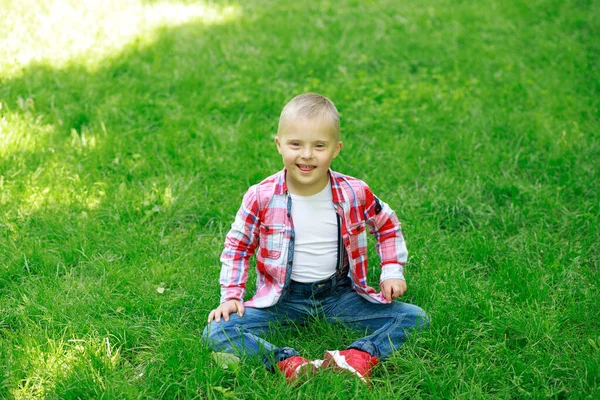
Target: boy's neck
x=303 y=190
x=326 y=191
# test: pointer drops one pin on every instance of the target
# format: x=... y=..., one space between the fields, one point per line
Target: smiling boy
x=306 y=225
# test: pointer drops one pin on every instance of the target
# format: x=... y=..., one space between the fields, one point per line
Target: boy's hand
x=393 y=288
x=225 y=309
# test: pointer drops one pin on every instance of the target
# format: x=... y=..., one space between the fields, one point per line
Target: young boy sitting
x=307 y=227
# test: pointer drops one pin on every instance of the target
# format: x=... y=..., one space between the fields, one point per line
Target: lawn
x=129 y=131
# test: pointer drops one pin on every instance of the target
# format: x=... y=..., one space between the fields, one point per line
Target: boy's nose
x=307 y=153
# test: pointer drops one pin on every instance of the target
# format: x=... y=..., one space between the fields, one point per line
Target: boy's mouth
x=305 y=168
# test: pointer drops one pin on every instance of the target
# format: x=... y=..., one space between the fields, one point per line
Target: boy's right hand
x=225 y=309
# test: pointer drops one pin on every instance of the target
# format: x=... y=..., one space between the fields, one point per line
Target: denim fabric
x=386 y=324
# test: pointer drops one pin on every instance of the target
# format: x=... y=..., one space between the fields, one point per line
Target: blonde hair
x=310 y=106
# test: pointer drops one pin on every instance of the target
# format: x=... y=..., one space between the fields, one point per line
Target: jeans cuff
x=278 y=354
x=366 y=347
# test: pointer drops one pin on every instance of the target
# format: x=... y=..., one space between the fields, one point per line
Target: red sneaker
x=358 y=362
x=295 y=366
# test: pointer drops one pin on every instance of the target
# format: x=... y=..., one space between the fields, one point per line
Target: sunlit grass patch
x=60 y=32
x=46 y=367
x=23 y=130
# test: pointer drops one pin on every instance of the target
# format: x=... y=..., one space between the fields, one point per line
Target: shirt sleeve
x=240 y=244
x=387 y=230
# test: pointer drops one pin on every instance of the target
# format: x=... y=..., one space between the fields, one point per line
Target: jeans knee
x=422 y=320
x=415 y=317
x=211 y=332
x=217 y=334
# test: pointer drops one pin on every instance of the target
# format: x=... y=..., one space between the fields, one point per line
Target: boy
x=306 y=226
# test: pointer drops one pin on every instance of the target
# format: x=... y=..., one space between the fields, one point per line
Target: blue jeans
x=334 y=299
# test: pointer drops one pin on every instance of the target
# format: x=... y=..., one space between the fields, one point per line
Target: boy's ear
x=338 y=148
x=278 y=144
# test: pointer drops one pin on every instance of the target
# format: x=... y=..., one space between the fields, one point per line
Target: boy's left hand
x=393 y=288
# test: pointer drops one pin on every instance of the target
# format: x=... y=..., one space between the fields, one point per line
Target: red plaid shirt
x=264 y=222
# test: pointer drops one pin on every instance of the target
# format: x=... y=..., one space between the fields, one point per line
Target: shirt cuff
x=392 y=271
x=232 y=294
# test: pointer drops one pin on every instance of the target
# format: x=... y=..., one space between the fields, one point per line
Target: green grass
x=126 y=144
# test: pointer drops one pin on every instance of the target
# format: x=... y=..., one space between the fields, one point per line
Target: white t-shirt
x=316 y=236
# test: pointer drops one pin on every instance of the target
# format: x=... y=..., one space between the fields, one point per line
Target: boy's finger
x=241 y=309
x=402 y=288
x=399 y=291
x=211 y=316
x=387 y=292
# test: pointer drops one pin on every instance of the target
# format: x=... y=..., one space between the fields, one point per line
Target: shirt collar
x=280 y=185
x=336 y=190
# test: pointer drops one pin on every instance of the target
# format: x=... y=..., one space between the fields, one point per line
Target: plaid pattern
x=264 y=222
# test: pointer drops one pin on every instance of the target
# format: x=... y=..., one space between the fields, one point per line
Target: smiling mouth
x=305 y=168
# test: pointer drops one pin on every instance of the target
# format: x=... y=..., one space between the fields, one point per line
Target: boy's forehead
x=305 y=126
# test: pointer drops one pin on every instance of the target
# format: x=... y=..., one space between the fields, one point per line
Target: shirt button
x=289 y=263
x=292 y=239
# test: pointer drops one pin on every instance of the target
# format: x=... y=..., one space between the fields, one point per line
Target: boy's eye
x=295 y=144
x=320 y=146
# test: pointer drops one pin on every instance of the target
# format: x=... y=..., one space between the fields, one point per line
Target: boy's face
x=307 y=148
